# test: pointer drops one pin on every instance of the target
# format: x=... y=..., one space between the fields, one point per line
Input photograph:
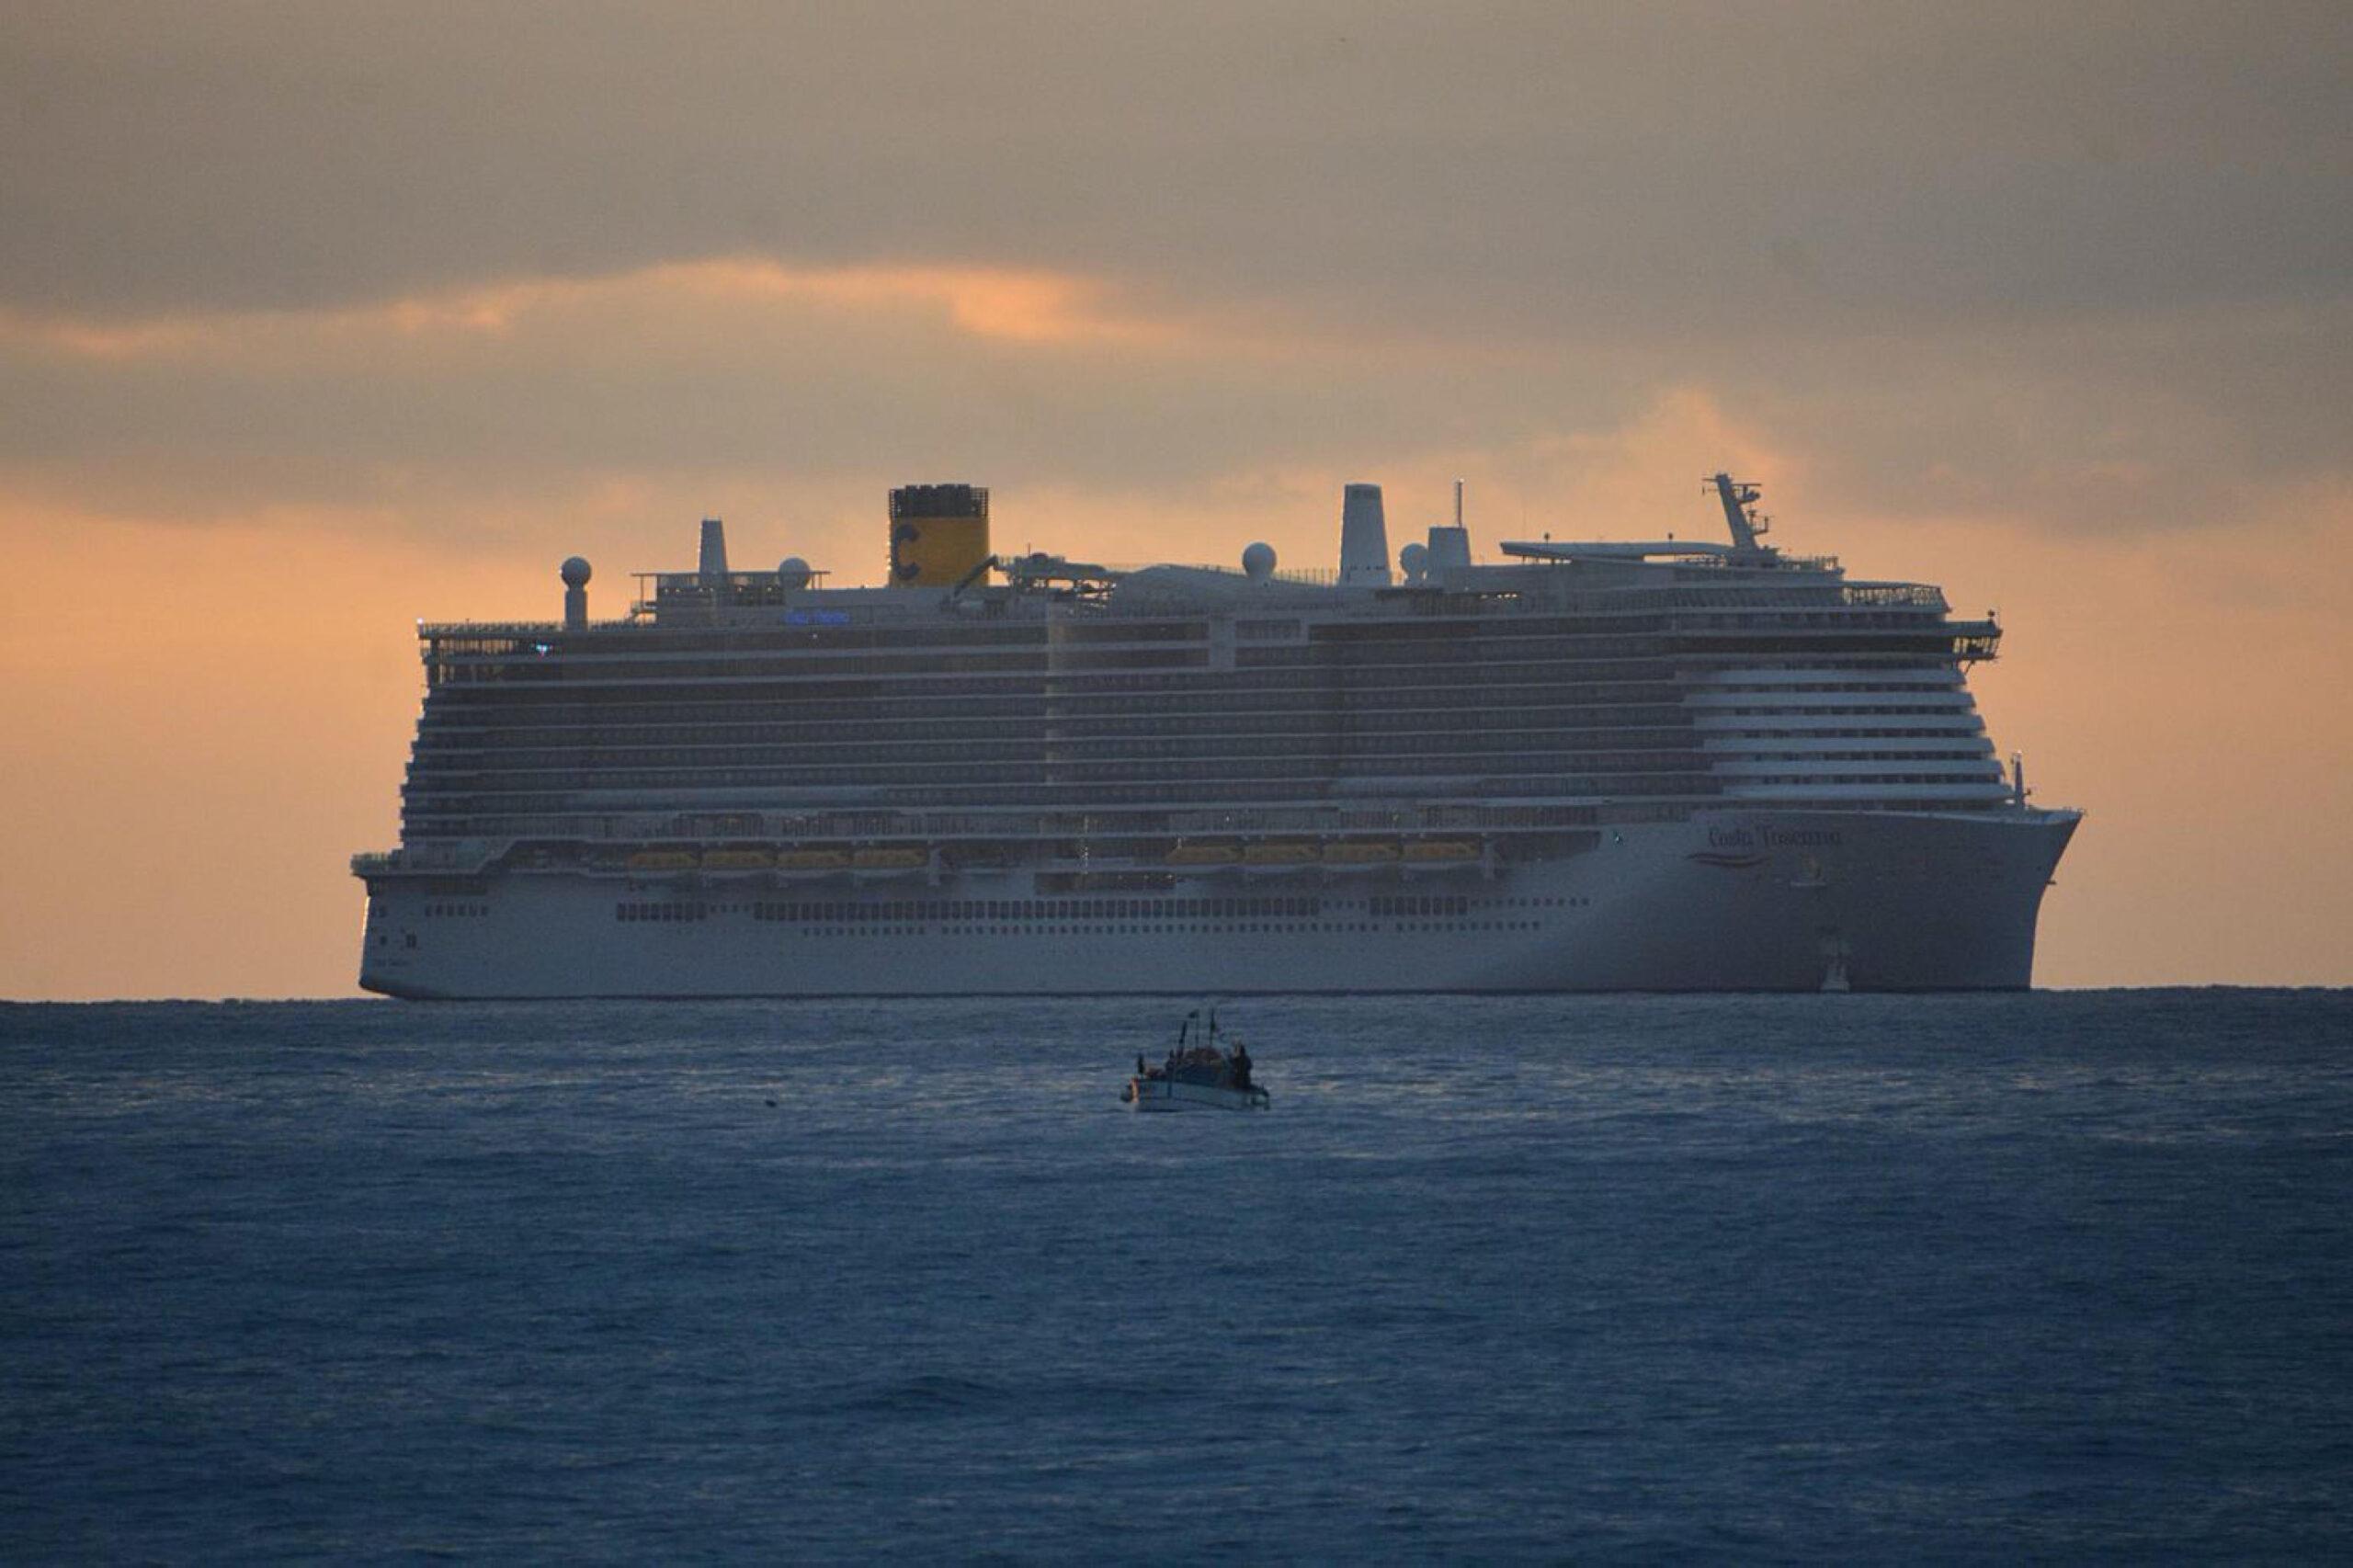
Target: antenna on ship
x=1449 y=547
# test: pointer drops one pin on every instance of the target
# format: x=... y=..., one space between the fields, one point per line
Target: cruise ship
x=1662 y=765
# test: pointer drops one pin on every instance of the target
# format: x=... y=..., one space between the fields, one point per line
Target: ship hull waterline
x=1735 y=900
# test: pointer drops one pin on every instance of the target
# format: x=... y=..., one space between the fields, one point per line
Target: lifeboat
x=888 y=862
x=1204 y=855
x=663 y=861
x=813 y=860
x=737 y=860
x=1439 y=852
x=1279 y=857
x=1358 y=855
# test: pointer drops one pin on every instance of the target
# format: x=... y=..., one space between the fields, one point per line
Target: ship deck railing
x=1781 y=562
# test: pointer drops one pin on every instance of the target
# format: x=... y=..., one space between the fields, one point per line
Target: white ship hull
x=1726 y=901
x=1160 y=1094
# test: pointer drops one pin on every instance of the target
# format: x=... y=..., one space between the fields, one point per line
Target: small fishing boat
x=1198 y=1074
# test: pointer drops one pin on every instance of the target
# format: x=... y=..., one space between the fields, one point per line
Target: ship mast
x=1739 y=498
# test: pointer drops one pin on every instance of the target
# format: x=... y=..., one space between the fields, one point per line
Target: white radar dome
x=793 y=573
x=1258 y=562
x=1415 y=559
x=574 y=572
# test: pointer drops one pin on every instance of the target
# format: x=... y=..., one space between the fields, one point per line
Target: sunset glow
x=241 y=461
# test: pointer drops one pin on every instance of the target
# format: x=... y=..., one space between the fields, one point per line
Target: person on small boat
x=1241 y=1065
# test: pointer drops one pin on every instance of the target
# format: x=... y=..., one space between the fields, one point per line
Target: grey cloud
x=2109 y=423
x=207 y=434
x=1528 y=167
x=2085 y=262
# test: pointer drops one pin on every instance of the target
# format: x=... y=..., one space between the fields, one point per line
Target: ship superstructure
x=1613 y=765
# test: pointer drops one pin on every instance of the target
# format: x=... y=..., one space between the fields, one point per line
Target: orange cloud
x=71 y=337
x=997 y=304
x=1019 y=306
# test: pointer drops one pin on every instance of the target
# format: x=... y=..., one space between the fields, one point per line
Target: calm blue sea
x=2060 y=1277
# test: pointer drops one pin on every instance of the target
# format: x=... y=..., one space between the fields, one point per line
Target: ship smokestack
x=713 y=567
x=575 y=573
x=1364 y=537
x=939 y=534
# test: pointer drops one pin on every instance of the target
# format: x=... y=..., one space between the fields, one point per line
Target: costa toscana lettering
x=1774 y=838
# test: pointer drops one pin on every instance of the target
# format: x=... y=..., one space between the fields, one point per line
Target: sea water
x=2056 y=1275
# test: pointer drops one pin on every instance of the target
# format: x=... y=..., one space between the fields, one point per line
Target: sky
x=317 y=319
